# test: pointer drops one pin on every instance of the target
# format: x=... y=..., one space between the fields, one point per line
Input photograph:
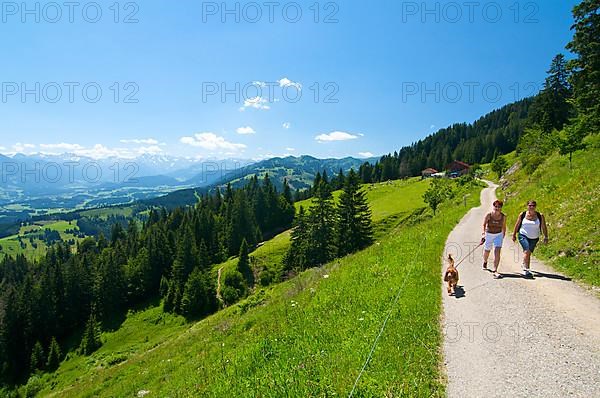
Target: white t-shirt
x=530 y=228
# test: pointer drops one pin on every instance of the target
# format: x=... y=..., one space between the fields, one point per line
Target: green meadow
x=21 y=243
x=307 y=336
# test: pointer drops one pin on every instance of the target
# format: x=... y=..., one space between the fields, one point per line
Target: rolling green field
x=11 y=245
x=308 y=336
x=105 y=212
x=570 y=200
x=390 y=202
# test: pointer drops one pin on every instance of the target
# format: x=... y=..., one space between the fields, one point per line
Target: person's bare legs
x=526 y=259
x=486 y=255
x=496 y=259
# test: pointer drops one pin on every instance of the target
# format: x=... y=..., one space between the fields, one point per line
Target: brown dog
x=451 y=275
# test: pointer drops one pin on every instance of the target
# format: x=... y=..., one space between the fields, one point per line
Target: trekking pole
x=471 y=252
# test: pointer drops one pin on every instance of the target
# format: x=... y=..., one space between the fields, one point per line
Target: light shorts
x=493 y=239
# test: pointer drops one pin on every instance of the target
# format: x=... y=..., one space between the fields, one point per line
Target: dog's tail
x=450 y=257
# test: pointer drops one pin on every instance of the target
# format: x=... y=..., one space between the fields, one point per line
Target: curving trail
x=516 y=337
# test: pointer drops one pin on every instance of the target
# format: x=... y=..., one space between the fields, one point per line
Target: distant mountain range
x=298 y=171
x=37 y=184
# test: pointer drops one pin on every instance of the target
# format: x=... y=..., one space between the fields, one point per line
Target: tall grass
x=306 y=337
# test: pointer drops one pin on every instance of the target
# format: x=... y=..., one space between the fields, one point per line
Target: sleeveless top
x=495 y=226
x=530 y=228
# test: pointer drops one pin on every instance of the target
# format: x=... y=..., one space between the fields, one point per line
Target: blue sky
x=354 y=79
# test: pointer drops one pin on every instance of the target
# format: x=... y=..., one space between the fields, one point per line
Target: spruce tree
x=354 y=229
x=169 y=301
x=586 y=67
x=321 y=221
x=287 y=192
x=38 y=359
x=243 y=264
x=296 y=256
x=90 y=341
x=551 y=109
x=364 y=225
x=54 y=355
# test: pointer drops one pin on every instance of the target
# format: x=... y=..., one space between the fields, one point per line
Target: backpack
x=522 y=216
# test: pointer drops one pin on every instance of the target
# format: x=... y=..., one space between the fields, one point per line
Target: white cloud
x=290 y=149
x=271 y=156
x=145 y=141
x=151 y=150
x=336 y=136
x=432 y=127
x=245 y=130
x=287 y=125
x=63 y=146
x=18 y=147
x=2 y=148
x=256 y=103
x=259 y=84
x=365 y=154
x=212 y=142
x=285 y=82
x=97 y=151
x=100 y=151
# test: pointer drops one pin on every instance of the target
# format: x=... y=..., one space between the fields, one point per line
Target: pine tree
x=586 y=67
x=169 y=301
x=54 y=355
x=296 y=256
x=287 y=192
x=551 y=109
x=321 y=221
x=164 y=287
x=38 y=359
x=109 y=285
x=354 y=229
x=139 y=276
x=203 y=257
x=174 y=294
x=243 y=264
x=90 y=341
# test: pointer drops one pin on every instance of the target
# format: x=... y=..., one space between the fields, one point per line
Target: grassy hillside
x=569 y=198
x=391 y=202
x=308 y=336
x=28 y=241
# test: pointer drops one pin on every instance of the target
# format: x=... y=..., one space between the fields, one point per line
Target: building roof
x=458 y=163
x=429 y=170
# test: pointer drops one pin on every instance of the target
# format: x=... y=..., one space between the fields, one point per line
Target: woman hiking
x=528 y=229
x=494 y=230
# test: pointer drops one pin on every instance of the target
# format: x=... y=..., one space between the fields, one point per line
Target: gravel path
x=516 y=337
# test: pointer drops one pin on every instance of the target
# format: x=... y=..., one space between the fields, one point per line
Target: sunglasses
x=531 y=205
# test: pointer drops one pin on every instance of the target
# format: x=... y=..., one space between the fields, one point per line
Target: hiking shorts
x=493 y=240
x=528 y=244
